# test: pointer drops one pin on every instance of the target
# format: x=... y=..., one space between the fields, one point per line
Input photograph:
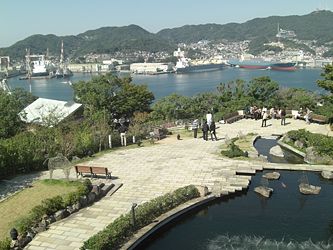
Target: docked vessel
x=63 y=71
x=185 y=65
x=262 y=64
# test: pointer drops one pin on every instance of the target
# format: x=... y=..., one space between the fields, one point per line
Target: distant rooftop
x=48 y=112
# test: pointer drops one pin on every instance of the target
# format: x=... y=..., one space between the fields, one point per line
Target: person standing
x=264 y=119
x=122 y=131
x=307 y=116
x=212 y=129
x=195 y=126
x=283 y=116
x=205 y=129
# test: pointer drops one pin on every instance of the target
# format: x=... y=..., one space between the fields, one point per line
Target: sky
x=22 y=18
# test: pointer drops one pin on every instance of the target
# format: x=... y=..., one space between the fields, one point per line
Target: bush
x=322 y=144
x=233 y=151
x=5 y=244
x=116 y=233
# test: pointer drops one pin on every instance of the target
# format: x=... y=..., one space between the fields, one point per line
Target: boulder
x=327 y=174
x=276 y=151
x=59 y=214
x=264 y=191
x=203 y=190
x=286 y=139
x=77 y=206
x=313 y=157
x=97 y=190
x=91 y=198
x=299 y=144
x=83 y=201
x=272 y=176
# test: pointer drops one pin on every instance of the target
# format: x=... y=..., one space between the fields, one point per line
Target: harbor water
x=183 y=84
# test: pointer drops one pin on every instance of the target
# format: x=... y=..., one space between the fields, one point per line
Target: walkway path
x=148 y=172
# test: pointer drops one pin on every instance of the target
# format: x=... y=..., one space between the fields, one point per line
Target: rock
x=299 y=144
x=51 y=219
x=59 y=215
x=276 y=151
x=91 y=198
x=71 y=209
x=14 y=244
x=313 y=157
x=327 y=174
x=77 y=206
x=66 y=213
x=264 y=191
x=286 y=139
x=272 y=176
x=203 y=190
x=97 y=190
x=83 y=201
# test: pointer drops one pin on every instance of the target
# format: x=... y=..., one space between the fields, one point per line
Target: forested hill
x=102 y=40
x=314 y=26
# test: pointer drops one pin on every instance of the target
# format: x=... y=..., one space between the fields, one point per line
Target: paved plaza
x=148 y=172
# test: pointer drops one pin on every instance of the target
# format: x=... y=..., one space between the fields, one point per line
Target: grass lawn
x=21 y=203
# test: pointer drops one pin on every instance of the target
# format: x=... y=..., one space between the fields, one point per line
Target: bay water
x=183 y=84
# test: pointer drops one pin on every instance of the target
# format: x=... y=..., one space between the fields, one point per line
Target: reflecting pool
x=287 y=220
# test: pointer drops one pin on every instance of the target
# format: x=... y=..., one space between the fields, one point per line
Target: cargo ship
x=263 y=64
x=185 y=65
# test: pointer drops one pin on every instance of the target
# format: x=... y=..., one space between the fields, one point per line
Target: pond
x=287 y=220
x=263 y=146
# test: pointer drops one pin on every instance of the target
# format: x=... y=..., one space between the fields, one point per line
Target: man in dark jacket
x=283 y=116
x=212 y=128
x=205 y=129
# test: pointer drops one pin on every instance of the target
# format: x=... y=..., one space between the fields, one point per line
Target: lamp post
x=133 y=214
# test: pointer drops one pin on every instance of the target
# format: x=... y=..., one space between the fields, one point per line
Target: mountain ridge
x=110 y=39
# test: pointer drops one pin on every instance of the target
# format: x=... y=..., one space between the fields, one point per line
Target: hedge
x=121 y=229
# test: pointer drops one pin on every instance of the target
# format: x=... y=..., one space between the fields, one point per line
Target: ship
x=262 y=64
x=185 y=65
x=63 y=71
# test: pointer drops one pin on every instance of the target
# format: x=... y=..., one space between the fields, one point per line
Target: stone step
x=115 y=188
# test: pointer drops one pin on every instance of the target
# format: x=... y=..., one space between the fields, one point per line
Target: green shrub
x=233 y=151
x=322 y=144
x=118 y=232
x=5 y=244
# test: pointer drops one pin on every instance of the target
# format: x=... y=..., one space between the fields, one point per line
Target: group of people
x=265 y=114
x=207 y=127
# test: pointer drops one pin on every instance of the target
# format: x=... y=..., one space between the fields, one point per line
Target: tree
x=172 y=107
x=117 y=96
x=10 y=122
x=262 y=90
x=327 y=83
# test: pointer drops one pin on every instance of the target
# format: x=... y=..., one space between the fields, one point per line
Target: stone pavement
x=148 y=172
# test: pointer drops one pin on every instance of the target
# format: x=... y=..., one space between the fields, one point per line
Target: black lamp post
x=133 y=214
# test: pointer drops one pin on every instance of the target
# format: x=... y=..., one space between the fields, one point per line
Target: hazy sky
x=22 y=18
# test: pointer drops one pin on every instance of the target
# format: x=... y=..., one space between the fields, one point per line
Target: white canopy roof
x=48 y=112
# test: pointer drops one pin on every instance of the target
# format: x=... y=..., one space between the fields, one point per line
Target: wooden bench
x=93 y=171
x=232 y=117
x=318 y=118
